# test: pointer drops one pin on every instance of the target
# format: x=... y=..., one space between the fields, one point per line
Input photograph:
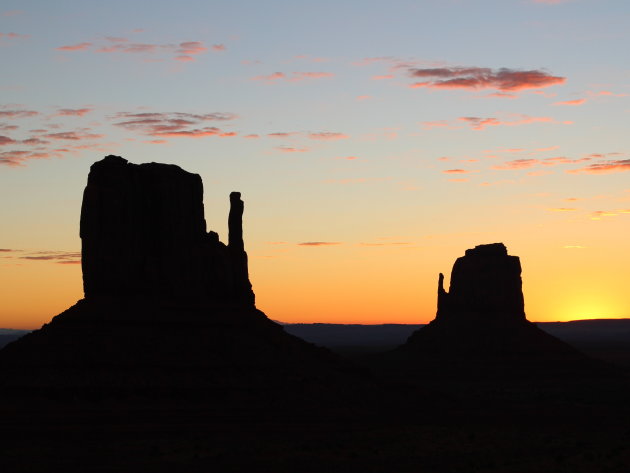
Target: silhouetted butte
x=480 y=326
x=168 y=307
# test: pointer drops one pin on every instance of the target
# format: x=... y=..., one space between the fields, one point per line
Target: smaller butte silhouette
x=168 y=307
x=481 y=324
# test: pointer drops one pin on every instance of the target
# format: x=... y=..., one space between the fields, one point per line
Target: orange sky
x=396 y=134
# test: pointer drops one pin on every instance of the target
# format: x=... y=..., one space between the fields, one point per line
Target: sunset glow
x=372 y=143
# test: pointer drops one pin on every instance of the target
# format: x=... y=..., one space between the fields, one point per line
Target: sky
x=372 y=142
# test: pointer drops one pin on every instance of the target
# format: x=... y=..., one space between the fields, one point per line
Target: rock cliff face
x=143 y=232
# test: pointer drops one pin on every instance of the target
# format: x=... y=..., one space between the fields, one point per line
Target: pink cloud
x=363 y=97
x=17 y=158
x=456 y=171
x=607 y=93
x=13 y=36
x=474 y=78
x=294 y=76
x=73 y=135
x=348 y=158
x=562 y=160
x=282 y=134
x=194 y=133
x=297 y=76
x=218 y=47
x=73 y=112
x=252 y=136
x=183 y=52
x=608 y=167
x=288 y=149
x=478 y=123
x=327 y=135
x=174 y=124
x=319 y=243
x=571 y=102
x=435 y=124
x=516 y=164
x=74 y=47
x=271 y=77
x=383 y=77
x=191 y=47
x=17 y=113
x=503 y=95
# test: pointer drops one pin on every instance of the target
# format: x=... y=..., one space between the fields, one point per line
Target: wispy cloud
x=479 y=123
x=74 y=47
x=475 y=78
x=73 y=112
x=328 y=136
x=10 y=114
x=173 y=124
x=319 y=243
x=608 y=167
x=289 y=149
x=457 y=171
x=283 y=134
x=600 y=214
x=516 y=164
x=293 y=76
x=59 y=257
x=183 y=51
x=575 y=102
x=81 y=134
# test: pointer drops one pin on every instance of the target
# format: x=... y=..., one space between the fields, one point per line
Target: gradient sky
x=373 y=143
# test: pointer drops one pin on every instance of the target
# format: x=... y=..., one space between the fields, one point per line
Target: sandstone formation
x=168 y=308
x=143 y=232
x=483 y=316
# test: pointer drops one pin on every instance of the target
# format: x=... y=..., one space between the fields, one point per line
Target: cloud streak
x=293 y=76
x=476 y=78
x=184 y=51
x=173 y=124
x=479 y=123
x=608 y=167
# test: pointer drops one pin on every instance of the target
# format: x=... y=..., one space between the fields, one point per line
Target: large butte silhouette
x=168 y=307
x=480 y=328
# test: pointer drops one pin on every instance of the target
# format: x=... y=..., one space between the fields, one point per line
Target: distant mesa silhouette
x=482 y=316
x=168 y=307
